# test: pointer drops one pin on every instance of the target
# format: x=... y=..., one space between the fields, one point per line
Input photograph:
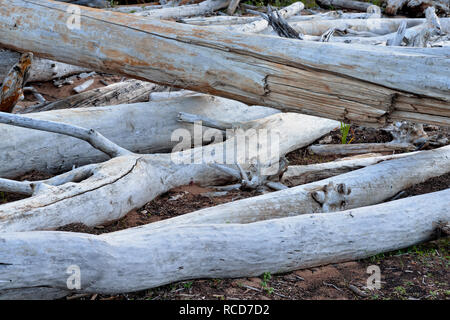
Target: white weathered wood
x=261 y=24
x=129 y=91
x=128 y=182
x=160 y=96
x=141 y=127
x=431 y=27
x=94 y=138
x=201 y=8
x=301 y=174
x=219 y=20
x=233 y=6
x=84 y=86
x=127 y=261
x=292 y=75
x=41 y=69
x=377 y=26
x=359 y=148
x=364 y=187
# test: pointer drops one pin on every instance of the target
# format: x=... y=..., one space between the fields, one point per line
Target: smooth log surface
x=357 y=83
x=140 y=127
x=127 y=261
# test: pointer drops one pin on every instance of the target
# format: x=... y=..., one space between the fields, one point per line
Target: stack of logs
x=111 y=150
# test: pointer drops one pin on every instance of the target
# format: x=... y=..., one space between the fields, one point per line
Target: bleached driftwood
x=159 y=96
x=359 y=148
x=375 y=26
x=373 y=12
x=408 y=36
x=128 y=182
x=301 y=174
x=138 y=259
x=201 y=8
x=431 y=27
x=261 y=24
x=364 y=187
x=129 y=91
x=84 y=86
x=233 y=6
x=141 y=127
x=41 y=69
x=287 y=74
x=219 y=20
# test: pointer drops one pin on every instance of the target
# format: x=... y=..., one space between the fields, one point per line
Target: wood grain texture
x=127 y=261
x=353 y=83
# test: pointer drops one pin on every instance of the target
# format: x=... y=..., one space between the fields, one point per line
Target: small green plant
x=187 y=285
x=345 y=128
x=400 y=290
x=266 y=278
x=3 y=198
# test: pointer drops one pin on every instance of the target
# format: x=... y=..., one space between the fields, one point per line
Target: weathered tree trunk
x=297 y=175
x=360 y=188
x=138 y=259
x=129 y=91
x=380 y=26
x=128 y=182
x=359 y=148
x=291 y=75
x=41 y=69
x=142 y=128
x=204 y=7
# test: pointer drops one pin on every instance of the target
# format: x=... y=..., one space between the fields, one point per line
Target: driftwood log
x=301 y=174
x=36 y=264
x=129 y=91
x=141 y=128
x=359 y=148
x=107 y=191
x=381 y=85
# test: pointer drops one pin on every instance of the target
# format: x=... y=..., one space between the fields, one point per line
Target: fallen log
x=261 y=24
x=138 y=259
x=141 y=127
x=359 y=148
x=201 y=8
x=297 y=175
x=128 y=182
x=41 y=69
x=360 y=188
x=254 y=69
x=380 y=26
x=129 y=91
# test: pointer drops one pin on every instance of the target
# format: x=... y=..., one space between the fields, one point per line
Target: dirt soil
x=419 y=272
